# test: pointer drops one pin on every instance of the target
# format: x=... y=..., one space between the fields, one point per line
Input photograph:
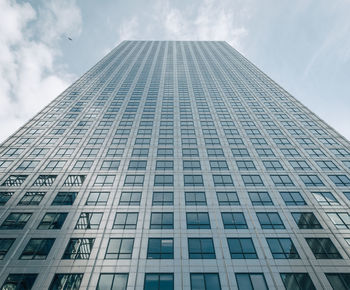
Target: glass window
x=242 y=248
x=14 y=180
x=260 y=198
x=205 y=281
x=339 y=281
x=160 y=248
x=110 y=281
x=97 y=198
x=66 y=281
x=215 y=152
x=5 y=196
x=234 y=220
x=137 y=165
x=218 y=165
x=164 y=165
x=134 y=180
x=325 y=198
x=193 y=180
x=292 y=198
x=311 y=180
x=190 y=152
x=165 y=152
x=222 y=180
x=323 y=248
x=159 y=281
x=340 y=180
x=64 y=198
x=130 y=198
x=162 y=220
x=19 y=281
x=282 y=248
x=227 y=198
x=163 y=198
x=119 y=248
x=197 y=220
x=89 y=220
x=52 y=221
x=273 y=165
x=32 y=198
x=306 y=220
x=191 y=165
x=44 y=180
x=83 y=165
x=297 y=281
x=104 y=180
x=299 y=165
x=281 y=180
x=5 y=245
x=140 y=152
x=240 y=152
x=265 y=152
x=15 y=221
x=195 y=198
x=37 y=249
x=110 y=165
x=251 y=281
x=125 y=220
x=163 y=180
x=270 y=220
x=341 y=220
x=252 y=180
x=327 y=165
x=74 y=180
x=245 y=165
x=78 y=249
x=201 y=248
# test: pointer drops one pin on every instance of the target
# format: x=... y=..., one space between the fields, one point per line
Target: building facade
x=175 y=165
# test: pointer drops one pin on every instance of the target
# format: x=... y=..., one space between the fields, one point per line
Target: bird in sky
x=69 y=38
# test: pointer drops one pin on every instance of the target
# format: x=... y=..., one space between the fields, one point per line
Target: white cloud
x=29 y=75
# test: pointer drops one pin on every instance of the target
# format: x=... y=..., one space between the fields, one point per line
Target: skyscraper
x=175 y=165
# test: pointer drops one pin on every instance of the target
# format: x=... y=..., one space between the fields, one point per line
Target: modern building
x=175 y=165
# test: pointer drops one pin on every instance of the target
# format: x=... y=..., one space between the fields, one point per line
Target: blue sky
x=303 y=45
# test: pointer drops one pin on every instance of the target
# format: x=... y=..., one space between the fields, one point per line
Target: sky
x=303 y=45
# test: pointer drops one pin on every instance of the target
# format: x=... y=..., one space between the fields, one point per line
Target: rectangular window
x=293 y=281
x=292 y=198
x=52 y=221
x=311 y=180
x=282 y=248
x=240 y=152
x=5 y=245
x=160 y=248
x=104 y=180
x=201 y=248
x=14 y=180
x=338 y=280
x=110 y=165
x=242 y=248
x=193 y=180
x=327 y=165
x=205 y=281
x=5 y=196
x=19 y=281
x=325 y=198
x=191 y=165
x=281 y=180
x=134 y=180
x=251 y=281
x=270 y=220
x=260 y=198
x=252 y=180
x=137 y=165
x=306 y=220
x=64 y=198
x=55 y=165
x=109 y=281
x=165 y=152
x=222 y=180
x=159 y=281
x=78 y=249
x=197 y=220
x=115 y=152
x=190 y=152
x=15 y=221
x=83 y=165
x=89 y=220
x=341 y=220
x=27 y=165
x=140 y=152
x=218 y=165
x=119 y=248
x=37 y=249
x=32 y=198
x=245 y=165
x=130 y=198
x=125 y=220
x=195 y=198
x=299 y=165
x=265 y=152
x=74 y=180
x=163 y=198
x=340 y=180
x=234 y=220
x=165 y=165
x=163 y=180
x=98 y=198
x=323 y=248
x=227 y=198
x=215 y=152
x=162 y=220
